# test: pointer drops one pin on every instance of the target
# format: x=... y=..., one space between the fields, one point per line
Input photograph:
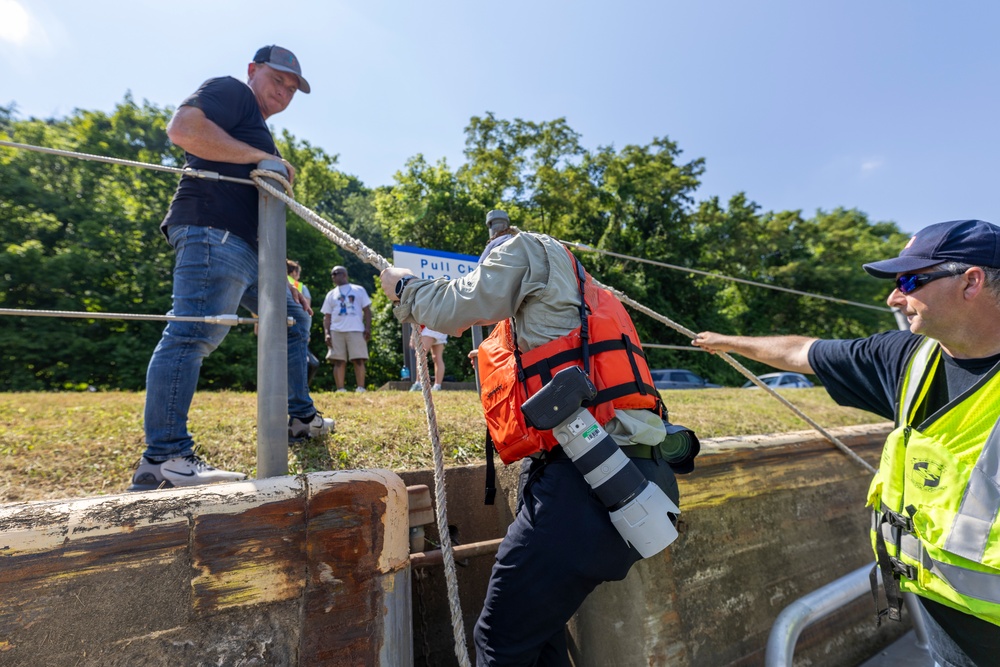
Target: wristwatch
x=402 y=284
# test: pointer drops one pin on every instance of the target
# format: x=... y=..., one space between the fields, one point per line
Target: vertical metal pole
x=916 y=615
x=477 y=338
x=272 y=338
x=409 y=355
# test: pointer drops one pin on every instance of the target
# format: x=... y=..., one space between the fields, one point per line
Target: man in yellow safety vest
x=936 y=496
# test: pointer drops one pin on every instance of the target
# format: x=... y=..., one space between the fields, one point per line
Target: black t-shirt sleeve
x=230 y=104
x=223 y=101
x=863 y=373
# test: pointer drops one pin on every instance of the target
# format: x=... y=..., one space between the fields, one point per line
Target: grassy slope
x=66 y=445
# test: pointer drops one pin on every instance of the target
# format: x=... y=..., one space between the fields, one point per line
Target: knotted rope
x=747 y=374
x=369 y=256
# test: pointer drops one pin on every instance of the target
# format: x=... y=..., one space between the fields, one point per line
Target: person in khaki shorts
x=347 y=325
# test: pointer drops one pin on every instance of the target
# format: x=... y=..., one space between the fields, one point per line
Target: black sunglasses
x=911 y=282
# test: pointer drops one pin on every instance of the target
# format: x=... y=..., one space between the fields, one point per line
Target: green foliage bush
x=84 y=236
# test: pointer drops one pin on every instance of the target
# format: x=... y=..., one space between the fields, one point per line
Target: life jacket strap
x=491 y=472
x=897 y=520
x=892 y=569
x=609 y=394
x=543 y=367
x=581 y=276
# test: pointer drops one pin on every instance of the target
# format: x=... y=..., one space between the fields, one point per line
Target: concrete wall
x=311 y=570
x=314 y=571
x=765 y=520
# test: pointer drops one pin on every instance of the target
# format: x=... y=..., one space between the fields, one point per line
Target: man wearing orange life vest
x=562 y=543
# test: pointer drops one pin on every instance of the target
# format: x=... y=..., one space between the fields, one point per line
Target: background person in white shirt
x=347 y=326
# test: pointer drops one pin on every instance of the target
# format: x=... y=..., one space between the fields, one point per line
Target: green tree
x=84 y=236
x=820 y=255
x=80 y=235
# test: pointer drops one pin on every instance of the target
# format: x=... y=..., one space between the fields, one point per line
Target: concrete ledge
x=311 y=570
x=765 y=520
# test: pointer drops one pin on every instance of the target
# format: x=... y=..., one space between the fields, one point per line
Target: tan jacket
x=532 y=279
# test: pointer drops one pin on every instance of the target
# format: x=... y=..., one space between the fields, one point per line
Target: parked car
x=679 y=378
x=782 y=380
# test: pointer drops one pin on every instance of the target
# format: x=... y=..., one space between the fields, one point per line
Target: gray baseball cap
x=496 y=214
x=282 y=60
x=497 y=221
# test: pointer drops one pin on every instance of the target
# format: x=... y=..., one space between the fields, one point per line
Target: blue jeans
x=214 y=273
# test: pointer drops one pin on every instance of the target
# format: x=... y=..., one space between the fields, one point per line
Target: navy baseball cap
x=283 y=60
x=966 y=241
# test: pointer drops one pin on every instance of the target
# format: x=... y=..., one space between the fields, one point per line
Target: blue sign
x=426 y=263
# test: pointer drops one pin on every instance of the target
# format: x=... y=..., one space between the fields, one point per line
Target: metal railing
x=272 y=342
x=810 y=608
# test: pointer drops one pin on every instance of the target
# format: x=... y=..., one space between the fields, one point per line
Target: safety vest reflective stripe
x=921 y=360
x=973 y=584
x=970 y=583
x=908 y=544
x=980 y=504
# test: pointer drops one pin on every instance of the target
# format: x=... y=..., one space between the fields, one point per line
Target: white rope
x=227 y=320
x=747 y=374
x=447 y=549
x=187 y=171
x=366 y=254
x=587 y=248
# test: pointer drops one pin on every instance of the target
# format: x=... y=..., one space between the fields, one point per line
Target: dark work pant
x=559 y=548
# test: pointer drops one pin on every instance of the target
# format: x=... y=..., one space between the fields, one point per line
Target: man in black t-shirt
x=212 y=227
x=939 y=479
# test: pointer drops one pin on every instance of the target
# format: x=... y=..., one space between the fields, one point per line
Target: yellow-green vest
x=936 y=495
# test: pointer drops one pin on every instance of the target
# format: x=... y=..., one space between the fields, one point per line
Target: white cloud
x=871 y=165
x=15 y=22
x=30 y=37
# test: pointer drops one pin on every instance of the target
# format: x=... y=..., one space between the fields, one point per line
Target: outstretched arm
x=191 y=129
x=788 y=353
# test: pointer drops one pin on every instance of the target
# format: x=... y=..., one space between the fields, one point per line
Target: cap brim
x=303 y=84
x=888 y=268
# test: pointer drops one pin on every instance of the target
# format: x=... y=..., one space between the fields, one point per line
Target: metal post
x=272 y=338
x=409 y=355
x=794 y=618
x=916 y=615
x=477 y=338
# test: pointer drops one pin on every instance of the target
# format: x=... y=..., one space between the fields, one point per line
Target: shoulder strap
x=581 y=277
x=491 y=471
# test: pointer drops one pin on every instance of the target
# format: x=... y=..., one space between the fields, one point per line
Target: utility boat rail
x=810 y=608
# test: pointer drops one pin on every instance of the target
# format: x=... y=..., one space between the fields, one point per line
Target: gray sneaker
x=188 y=470
x=312 y=427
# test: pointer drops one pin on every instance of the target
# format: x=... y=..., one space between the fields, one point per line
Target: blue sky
x=888 y=107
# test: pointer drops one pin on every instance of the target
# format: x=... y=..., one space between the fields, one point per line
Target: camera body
x=640 y=510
